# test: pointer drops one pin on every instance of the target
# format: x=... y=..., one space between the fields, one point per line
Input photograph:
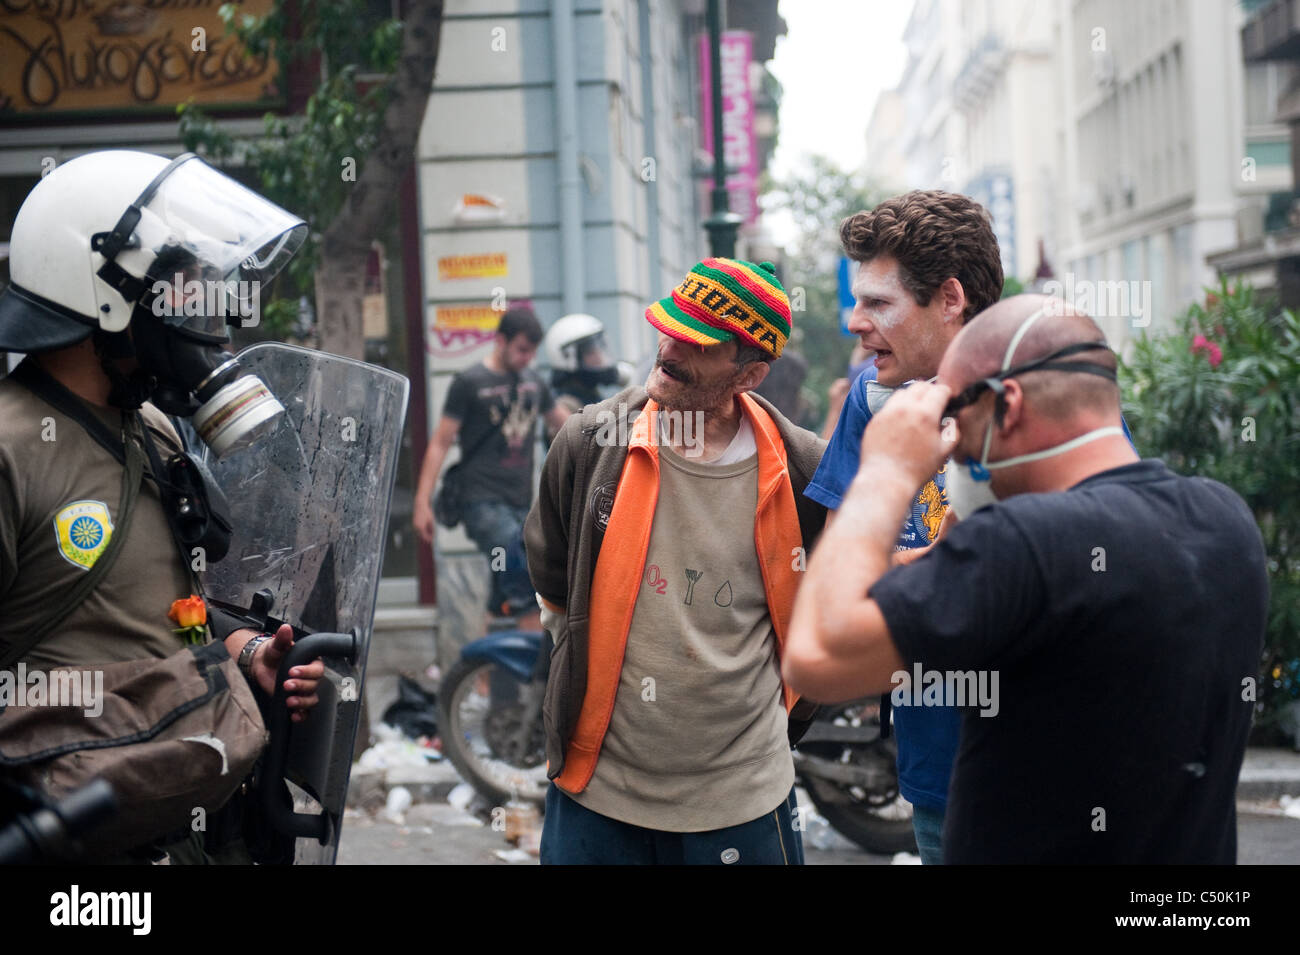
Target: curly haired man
x=927 y=263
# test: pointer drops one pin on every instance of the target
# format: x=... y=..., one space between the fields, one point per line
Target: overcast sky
x=837 y=55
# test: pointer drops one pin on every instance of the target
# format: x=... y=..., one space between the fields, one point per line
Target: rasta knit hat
x=722 y=299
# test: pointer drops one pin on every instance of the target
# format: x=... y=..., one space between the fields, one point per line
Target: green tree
x=339 y=164
x=1219 y=397
x=818 y=198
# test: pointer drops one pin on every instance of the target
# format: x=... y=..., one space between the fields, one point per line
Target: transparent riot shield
x=310 y=505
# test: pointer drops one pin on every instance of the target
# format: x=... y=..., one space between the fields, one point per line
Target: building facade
x=1268 y=252
x=1154 y=144
x=931 y=137
x=1118 y=145
x=977 y=95
x=883 y=160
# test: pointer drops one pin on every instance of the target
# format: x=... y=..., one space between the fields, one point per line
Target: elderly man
x=1099 y=617
x=666 y=544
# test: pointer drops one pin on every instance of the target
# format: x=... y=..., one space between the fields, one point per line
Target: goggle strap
x=998 y=386
x=1059 y=353
x=1086 y=367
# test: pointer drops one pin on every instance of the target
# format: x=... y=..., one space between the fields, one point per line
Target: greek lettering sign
x=62 y=56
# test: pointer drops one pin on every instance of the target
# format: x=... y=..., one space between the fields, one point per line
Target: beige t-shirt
x=59 y=498
x=697 y=740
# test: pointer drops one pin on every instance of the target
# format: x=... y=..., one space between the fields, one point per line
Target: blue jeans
x=574 y=835
x=496 y=524
x=928 y=826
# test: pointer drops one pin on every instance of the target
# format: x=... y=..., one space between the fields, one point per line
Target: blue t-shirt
x=927 y=735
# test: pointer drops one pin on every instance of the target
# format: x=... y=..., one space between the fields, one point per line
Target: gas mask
x=214 y=244
x=967 y=484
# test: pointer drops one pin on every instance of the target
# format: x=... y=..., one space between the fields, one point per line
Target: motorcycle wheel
x=482 y=708
x=878 y=820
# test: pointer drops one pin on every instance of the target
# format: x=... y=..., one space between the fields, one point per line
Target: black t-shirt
x=1122 y=618
x=498 y=431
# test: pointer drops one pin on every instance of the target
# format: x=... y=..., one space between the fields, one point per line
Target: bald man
x=1096 y=621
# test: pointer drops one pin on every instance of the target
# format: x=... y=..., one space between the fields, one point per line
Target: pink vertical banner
x=739 y=146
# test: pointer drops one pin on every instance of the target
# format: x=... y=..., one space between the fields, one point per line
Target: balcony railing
x=1272 y=32
x=978 y=71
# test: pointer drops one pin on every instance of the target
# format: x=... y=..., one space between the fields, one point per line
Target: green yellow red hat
x=722 y=299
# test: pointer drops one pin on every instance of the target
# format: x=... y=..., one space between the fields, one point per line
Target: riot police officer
x=582 y=367
x=125 y=270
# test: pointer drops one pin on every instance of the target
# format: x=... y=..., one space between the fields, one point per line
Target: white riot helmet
x=580 y=361
x=573 y=338
x=175 y=246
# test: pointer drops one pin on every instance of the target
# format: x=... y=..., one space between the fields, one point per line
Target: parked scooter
x=490 y=715
x=851 y=775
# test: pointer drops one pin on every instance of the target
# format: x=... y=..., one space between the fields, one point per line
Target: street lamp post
x=724 y=223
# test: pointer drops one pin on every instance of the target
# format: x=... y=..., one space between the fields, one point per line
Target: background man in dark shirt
x=493 y=407
x=1115 y=610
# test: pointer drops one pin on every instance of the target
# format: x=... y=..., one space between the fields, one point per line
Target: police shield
x=309 y=505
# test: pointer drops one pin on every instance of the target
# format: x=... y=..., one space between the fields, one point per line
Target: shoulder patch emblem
x=602 y=504
x=82 y=531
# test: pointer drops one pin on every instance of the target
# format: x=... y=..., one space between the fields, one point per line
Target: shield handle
x=283 y=818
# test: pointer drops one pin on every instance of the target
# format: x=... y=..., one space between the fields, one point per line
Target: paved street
x=440 y=834
x=437 y=833
x=1271 y=839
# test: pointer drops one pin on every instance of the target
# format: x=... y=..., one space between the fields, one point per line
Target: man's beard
x=691 y=394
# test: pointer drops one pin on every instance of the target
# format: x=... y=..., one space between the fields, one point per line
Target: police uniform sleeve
x=966 y=603
x=223 y=624
x=10 y=520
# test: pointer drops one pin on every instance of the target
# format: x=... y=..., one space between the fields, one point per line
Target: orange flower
x=189 y=611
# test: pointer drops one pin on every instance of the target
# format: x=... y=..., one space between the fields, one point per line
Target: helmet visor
x=593 y=353
x=215 y=245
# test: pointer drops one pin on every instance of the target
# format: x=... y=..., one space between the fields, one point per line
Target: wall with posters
x=488 y=169
x=489 y=185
